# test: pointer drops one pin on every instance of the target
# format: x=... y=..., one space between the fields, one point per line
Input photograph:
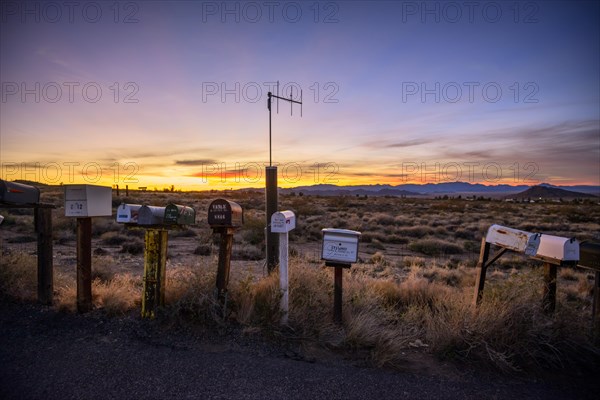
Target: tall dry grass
x=418 y=307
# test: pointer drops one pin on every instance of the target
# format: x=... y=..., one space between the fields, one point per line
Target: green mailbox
x=176 y=214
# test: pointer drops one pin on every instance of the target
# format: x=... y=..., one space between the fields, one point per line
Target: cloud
x=202 y=161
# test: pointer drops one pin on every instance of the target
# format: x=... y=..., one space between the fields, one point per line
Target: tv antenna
x=271 y=203
x=269 y=102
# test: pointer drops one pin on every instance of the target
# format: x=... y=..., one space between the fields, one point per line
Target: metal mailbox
x=589 y=255
x=283 y=221
x=558 y=250
x=151 y=215
x=18 y=193
x=340 y=245
x=179 y=215
x=513 y=239
x=1 y=219
x=128 y=213
x=225 y=214
x=88 y=201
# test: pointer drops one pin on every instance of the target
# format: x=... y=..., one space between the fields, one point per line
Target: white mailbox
x=88 y=201
x=283 y=221
x=151 y=215
x=558 y=250
x=513 y=239
x=340 y=245
x=1 y=219
x=128 y=213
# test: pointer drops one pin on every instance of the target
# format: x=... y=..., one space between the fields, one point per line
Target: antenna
x=271 y=203
x=291 y=100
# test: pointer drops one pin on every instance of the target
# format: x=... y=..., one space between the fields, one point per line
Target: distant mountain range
x=429 y=189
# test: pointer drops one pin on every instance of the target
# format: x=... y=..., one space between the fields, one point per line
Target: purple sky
x=393 y=92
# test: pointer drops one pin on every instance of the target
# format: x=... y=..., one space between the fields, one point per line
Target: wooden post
x=127 y=190
x=484 y=254
x=271 y=207
x=337 y=295
x=155 y=261
x=84 y=264
x=225 y=247
x=549 y=294
x=283 y=276
x=117 y=190
x=596 y=309
x=43 y=228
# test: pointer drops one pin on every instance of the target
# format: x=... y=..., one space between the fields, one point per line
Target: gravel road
x=49 y=355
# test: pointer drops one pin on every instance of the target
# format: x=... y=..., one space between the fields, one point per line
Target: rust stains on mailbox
x=225 y=214
x=18 y=193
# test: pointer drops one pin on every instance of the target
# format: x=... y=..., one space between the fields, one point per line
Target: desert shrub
x=22 y=239
x=253 y=230
x=246 y=252
x=415 y=231
x=103 y=225
x=18 y=276
x=113 y=238
x=434 y=247
x=133 y=246
x=203 y=250
x=183 y=233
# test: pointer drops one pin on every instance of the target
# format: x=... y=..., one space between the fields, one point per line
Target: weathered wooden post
x=282 y=223
x=224 y=217
x=45 y=273
x=339 y=250
x=507 y=239
x=555 y=251
x=84 y=202
x=589 y=258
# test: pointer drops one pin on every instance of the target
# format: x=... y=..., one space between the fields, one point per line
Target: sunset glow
x=158 y=94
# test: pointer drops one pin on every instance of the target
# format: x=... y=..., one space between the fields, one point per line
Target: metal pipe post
x=155 y=261
x=283 y=276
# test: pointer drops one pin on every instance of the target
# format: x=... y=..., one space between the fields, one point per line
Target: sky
x=174 y=93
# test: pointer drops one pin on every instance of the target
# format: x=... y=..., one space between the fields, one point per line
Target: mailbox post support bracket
x=482 y=266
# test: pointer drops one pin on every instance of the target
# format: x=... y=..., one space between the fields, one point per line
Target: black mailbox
x=589 y=255
x=225 y=214
x=18 y=193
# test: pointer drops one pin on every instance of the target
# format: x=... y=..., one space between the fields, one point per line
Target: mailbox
x=128 y=213
x=88 y=201
x=589 y=255
x=1 y=219
x=179 y=215
x=513 y=239
x=18 y=193
x=558 y=250
x=151 y=215
x=283 y=221
x=340 y=245
x=225 y=214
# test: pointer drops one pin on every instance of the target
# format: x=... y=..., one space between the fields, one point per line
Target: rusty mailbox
x=18 y=193
x=176 y=214
x=128 y=213
x=225 y=214
x=513 y=239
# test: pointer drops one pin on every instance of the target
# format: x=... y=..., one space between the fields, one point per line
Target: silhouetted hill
x=550 y=192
